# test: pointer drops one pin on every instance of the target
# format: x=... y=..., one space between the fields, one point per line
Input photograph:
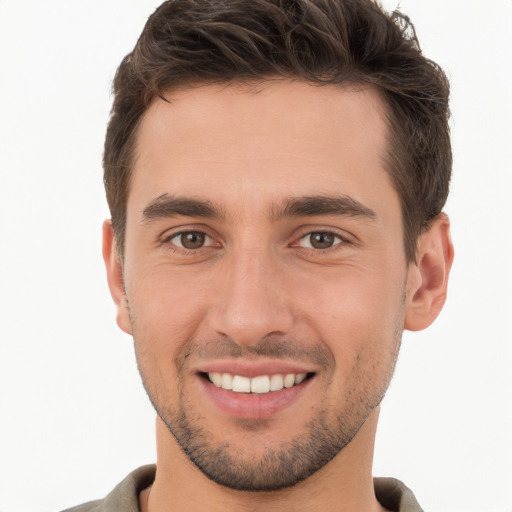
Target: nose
x=252 y=300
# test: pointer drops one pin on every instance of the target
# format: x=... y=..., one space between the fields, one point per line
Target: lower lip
x=253 y=405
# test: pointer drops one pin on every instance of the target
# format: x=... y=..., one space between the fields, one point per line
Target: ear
x=427 y=279
x=115 y=277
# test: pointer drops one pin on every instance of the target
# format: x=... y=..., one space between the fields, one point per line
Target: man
x=276 y=172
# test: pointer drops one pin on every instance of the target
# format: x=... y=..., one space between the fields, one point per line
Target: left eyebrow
x=166 y=206
x=311 y=206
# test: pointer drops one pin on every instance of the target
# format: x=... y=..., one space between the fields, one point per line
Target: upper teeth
x=260 y=384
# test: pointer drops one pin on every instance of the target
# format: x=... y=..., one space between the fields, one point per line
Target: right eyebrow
x=166 y=206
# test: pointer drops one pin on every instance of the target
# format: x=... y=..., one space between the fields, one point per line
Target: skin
x=260 y=290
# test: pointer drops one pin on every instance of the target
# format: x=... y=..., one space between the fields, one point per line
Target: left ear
x=427 y=279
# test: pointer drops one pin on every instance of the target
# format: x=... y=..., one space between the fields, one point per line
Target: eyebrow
x=311 y=206
x=166 y=206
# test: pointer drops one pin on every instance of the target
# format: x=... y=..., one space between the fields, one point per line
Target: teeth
x=227 y=381
x=276 y=382
x=241 y=384
x=300 y=377
x=216 y=378
x=260 y=384
x=289 y=380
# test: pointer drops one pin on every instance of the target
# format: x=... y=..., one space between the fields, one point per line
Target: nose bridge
x=252 y=302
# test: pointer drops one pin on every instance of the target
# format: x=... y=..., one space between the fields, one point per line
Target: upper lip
x=253 y=368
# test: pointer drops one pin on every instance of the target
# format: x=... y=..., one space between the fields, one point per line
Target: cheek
x=162 y=324
x=165 y=314
x=362 y=299
x=167 y=304
x=357 y=314
x=363 y=332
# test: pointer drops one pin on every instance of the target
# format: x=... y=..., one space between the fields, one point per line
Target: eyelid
x=335 y=235
x=165 y=239
x=346 y=239
x=211 y=240
x=179 y=233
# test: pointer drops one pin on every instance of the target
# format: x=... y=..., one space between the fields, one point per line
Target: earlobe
x=115 y=277
x=427 y=279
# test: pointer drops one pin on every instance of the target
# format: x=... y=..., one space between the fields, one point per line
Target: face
x=264 y=273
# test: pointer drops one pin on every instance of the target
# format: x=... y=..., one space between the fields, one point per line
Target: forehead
x=232 y=142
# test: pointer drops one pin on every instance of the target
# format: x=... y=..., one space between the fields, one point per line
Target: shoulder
x=125 y=496
x=395 y=495
x=92 y=506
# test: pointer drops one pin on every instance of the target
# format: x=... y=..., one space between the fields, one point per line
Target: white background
x=74 y=418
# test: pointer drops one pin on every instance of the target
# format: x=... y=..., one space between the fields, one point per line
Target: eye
x=190 y=240
x=320 y=240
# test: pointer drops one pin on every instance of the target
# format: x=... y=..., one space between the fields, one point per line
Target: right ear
x=115 y=277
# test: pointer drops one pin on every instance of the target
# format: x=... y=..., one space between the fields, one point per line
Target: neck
x=344 y=484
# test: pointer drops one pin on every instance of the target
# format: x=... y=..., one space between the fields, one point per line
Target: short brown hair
x=322 y=42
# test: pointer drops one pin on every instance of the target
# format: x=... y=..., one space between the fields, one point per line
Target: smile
x=260 y=384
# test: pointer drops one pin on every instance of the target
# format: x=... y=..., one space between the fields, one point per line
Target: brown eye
x=320 y=240
x=192 y=239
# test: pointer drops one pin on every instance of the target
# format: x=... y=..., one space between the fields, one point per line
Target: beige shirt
x=391 y=493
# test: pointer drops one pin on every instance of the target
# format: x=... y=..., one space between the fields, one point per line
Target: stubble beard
x=292 y=461
x=280 y=466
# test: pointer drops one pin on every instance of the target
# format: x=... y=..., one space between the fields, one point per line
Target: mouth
x=260 y=384
x=252 y=393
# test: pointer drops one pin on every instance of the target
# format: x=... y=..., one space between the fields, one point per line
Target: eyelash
x=343 y=242
x=183 y=250
x=337 y=245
